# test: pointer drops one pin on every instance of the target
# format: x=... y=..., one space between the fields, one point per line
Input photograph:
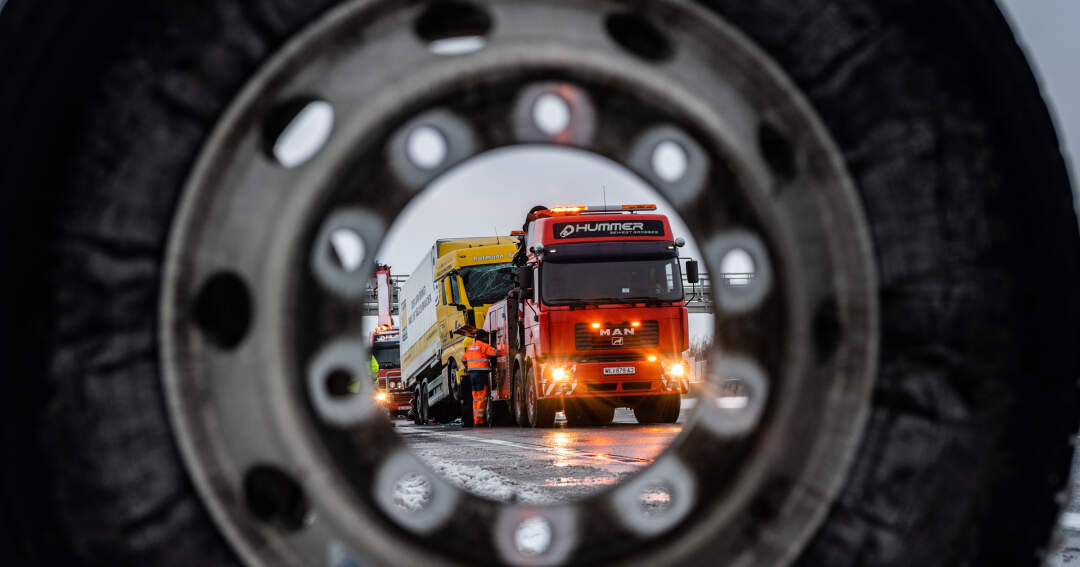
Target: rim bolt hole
x=732 y=394
x=777 y=151
x=426 y=147
x=533 y=536
x=276 y=498
x=551 y=114
x=413 y=492
x=298 y=130
x=639 y=36
x=223 y=310
x=339 y=383
x=669 y=161
x=454 y=28
x=346 y=249
x=656 y=499
x=737 y=268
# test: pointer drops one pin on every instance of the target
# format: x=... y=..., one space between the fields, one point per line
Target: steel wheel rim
x=299 y=440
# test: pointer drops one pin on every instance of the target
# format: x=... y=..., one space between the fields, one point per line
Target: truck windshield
x=387 y=356
x=611 y=282
x=487 y=283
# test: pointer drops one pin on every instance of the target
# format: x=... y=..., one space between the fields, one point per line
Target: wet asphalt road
x=540 y=466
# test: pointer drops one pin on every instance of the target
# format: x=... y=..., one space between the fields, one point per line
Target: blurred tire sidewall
x=105 y=109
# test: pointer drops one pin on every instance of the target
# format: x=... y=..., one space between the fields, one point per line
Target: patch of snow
x=483 y=482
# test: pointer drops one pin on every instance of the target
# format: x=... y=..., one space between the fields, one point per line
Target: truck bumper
x=619 y=380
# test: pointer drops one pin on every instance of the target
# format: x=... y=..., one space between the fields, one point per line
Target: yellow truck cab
x=453 y=285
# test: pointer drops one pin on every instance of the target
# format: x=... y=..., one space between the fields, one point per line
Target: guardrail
x=698 y=295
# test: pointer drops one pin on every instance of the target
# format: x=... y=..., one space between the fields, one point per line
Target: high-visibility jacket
x=476 y=356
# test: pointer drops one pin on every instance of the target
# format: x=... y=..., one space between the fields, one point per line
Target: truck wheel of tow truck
x=646 y=410
x=599 y=411
x=575 y=413
x=541 y=413
x=671 y=406
x=518 y=398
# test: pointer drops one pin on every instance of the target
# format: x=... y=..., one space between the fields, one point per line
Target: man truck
x=453 y=285
x=596 y=321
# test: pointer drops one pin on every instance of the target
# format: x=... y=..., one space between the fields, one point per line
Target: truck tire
x=425 y=409
x=601 y=411
x=937 y=114
x=539 y=412
x=646 y=410
x=415 y=411
x=671 y=407
x=575 y=412
x=520 y=414
x=461 y=393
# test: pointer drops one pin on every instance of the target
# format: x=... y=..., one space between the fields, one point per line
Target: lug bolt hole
x=454 y=28
x=223 y=310
x=533 y=536
x=656 y=499
x=426 y=147
x=551 y=114
x=339 y=383
x=276 y=498
x=298 y=130
x=413 y=492
x=737 y=267
x=669 y=161
x=346 y=249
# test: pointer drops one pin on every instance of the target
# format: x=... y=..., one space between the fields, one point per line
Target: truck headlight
x=559 y=374
x=675 y=369
x=380 y=396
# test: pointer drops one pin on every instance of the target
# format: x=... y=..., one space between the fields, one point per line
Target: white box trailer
x=419 y=298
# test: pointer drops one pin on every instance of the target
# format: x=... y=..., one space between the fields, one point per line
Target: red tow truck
x=390 y=393
x=596 y=321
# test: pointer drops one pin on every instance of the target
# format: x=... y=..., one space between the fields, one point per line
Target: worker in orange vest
x=478 y=367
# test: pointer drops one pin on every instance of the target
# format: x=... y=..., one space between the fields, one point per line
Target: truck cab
x=598 y=321
x=454 y=285
x=391 y=393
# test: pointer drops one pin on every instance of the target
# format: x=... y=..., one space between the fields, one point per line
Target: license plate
x=619 y=370
x=404 y=407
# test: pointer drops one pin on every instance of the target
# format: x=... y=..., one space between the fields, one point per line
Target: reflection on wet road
x=540 y=465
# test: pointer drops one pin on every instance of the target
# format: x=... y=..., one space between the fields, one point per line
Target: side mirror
x=525 y=278
x=692 y=271
x=680 y=242
x=537 y=248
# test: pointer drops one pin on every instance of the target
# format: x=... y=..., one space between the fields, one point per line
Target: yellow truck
x=453 y=285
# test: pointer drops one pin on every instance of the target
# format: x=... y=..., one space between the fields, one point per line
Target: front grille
x=612 y=357
x=602 y=387
x=616 y=336
x=636 y=385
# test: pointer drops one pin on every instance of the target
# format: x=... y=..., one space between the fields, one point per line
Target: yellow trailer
x=454 y=284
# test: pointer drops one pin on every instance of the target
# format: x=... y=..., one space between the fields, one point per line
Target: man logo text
x=616 y=332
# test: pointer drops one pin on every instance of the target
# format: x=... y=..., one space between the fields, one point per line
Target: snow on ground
x=479 y=481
